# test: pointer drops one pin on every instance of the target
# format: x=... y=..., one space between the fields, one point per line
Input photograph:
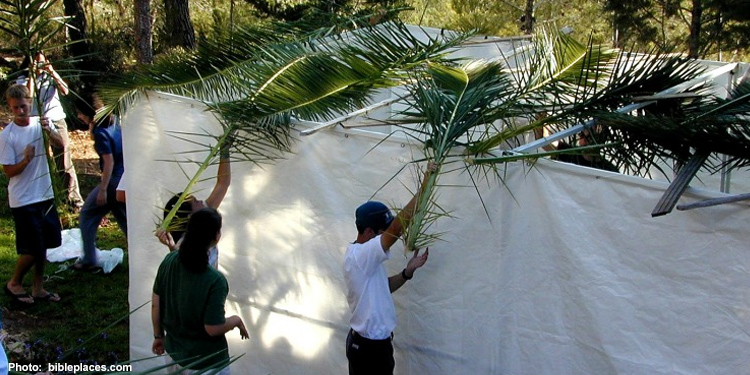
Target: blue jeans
x=91 y=216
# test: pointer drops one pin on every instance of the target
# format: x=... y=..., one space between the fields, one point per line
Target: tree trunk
x=77 y=33
x=144 y=31
x=695 y=29
x=178 y=26
x=527 y=20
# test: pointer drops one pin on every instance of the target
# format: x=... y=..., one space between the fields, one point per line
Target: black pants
x=369 y=357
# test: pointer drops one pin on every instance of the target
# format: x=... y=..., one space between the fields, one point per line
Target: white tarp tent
x=569 y=275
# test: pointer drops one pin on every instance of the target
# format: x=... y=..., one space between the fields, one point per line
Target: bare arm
x=30 y=86
x=109 y=165
x=229 y=324
x=223 y=179
x=166 y=239
x=54 y=136
x=12 y=170
x=62 y=87
x=391 y=235
x=416 y=261
x=158 y=346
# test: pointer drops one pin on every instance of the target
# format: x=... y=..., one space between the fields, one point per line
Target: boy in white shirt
x=24 y=160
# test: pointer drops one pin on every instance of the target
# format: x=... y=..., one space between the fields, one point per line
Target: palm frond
x=449 y=104
x=572 y=83
x=238 y=67
x=262 y=81
x=673 y=129
x=557 y=59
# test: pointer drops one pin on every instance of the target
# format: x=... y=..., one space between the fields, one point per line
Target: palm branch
x=672 y=130
x=474 y=108
x=630 y=76
x=264 y=82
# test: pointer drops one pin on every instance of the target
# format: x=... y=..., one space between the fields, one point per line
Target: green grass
x=90 y=303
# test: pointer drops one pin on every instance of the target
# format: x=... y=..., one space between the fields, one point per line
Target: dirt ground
x=84 y=157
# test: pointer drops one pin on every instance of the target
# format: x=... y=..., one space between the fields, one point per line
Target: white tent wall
x=570 y=276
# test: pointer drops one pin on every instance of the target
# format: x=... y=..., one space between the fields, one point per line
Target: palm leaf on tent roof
x=473 y=108
x=263 y=82
x=666 y=130
x=629 y=76
x=673 y=130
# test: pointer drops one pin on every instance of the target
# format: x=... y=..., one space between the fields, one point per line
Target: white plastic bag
x=109 y=259
x=72 y=248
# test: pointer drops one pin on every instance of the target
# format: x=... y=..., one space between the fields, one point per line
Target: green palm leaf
x=617 y=82
x=671 y=131
x=558 y=60
x=262 y=82
x=449 y=104
x=474 y=108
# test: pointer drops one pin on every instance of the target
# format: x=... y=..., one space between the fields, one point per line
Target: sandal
x=23 y=298
x=49 y=297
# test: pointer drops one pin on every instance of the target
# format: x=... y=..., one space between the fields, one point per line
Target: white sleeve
x=121 y=186
x=7 y=154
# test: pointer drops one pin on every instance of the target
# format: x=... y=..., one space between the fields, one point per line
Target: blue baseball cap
x=373 y=215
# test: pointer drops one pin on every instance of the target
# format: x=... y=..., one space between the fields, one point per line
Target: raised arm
x=223 y=179
x=166 y=239
x=47 y=67
x=391 y=235
x=62 y=87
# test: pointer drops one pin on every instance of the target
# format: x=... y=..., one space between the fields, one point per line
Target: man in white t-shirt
x=49 y=87
x=368 y=287
x=30 y=195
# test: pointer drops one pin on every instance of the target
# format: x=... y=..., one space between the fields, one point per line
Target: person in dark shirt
x=187 y=302
x=102 y=199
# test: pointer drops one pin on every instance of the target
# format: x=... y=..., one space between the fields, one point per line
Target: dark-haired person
x=187 y=303
x=368 y=287
x=191 y=204
x=101 y=200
